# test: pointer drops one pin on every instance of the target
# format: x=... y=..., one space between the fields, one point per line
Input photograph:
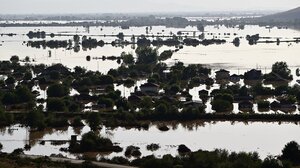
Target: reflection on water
x=225 y=56
x=265 y=138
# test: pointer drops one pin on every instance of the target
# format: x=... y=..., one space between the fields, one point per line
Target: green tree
x=270 y=162
x=165 y=55
x=36 y=119
x=106 y=101
x=281 y=69
x=291 y=152
x=79 y=70
x=93 y=120
x=56 y=104
x=220 y=105
x=9 y=98
x=93 y=142
x=54 y=75
x=27 y=76
x=161 y=109
x=146 y=55
x=147 y=102
x=77 y=122
x=58 y=90
x=24 y=94
x=5 y=118
x=174 y=89
x=10 y=80
x=14 y=59
x=106 y=80
x=127 y=58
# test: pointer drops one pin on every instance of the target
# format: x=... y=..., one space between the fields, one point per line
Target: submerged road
x=77 y=161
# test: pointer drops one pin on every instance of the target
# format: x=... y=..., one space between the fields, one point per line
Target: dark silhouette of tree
x=14 y=59
x=58 y=90
x=281 y=68
x=291 y=152
x=165 y=55
x=93 y=120
x=146 y=55
x=36 y=119
x=127 y=58
x=10 y=80
x=93 y=142
x=270 y=162
x=220 y=105
x=56 y=105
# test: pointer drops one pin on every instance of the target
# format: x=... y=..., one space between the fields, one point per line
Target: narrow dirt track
x=76 y=161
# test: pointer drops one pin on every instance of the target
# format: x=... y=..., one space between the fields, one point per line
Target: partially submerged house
x=134 y=99
x=193 y=103
x=222 y=75
x=246 y=106
x=285 y=107
x=149 y=88
x=235 y=78
x=99 y=90
x=203 y=92
x=253 y=74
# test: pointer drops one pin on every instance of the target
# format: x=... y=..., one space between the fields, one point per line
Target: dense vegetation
x=218 y=158
x=186 y=159
x=91 y=142
x=169 y=100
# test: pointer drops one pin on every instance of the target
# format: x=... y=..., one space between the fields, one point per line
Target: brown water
x=265 y=138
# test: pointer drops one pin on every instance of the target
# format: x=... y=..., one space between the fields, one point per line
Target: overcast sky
x=123 y=6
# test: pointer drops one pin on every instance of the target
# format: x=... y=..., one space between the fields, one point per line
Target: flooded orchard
x=264 y=138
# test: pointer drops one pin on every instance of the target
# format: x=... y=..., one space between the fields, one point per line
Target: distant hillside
x=288 y=16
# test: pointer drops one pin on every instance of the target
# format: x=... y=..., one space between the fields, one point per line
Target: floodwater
x=265 y=138
x=226 y=56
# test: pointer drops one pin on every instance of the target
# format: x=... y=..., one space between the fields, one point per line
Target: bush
x=133 y=151
x=153 y=147
x=182 y=149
